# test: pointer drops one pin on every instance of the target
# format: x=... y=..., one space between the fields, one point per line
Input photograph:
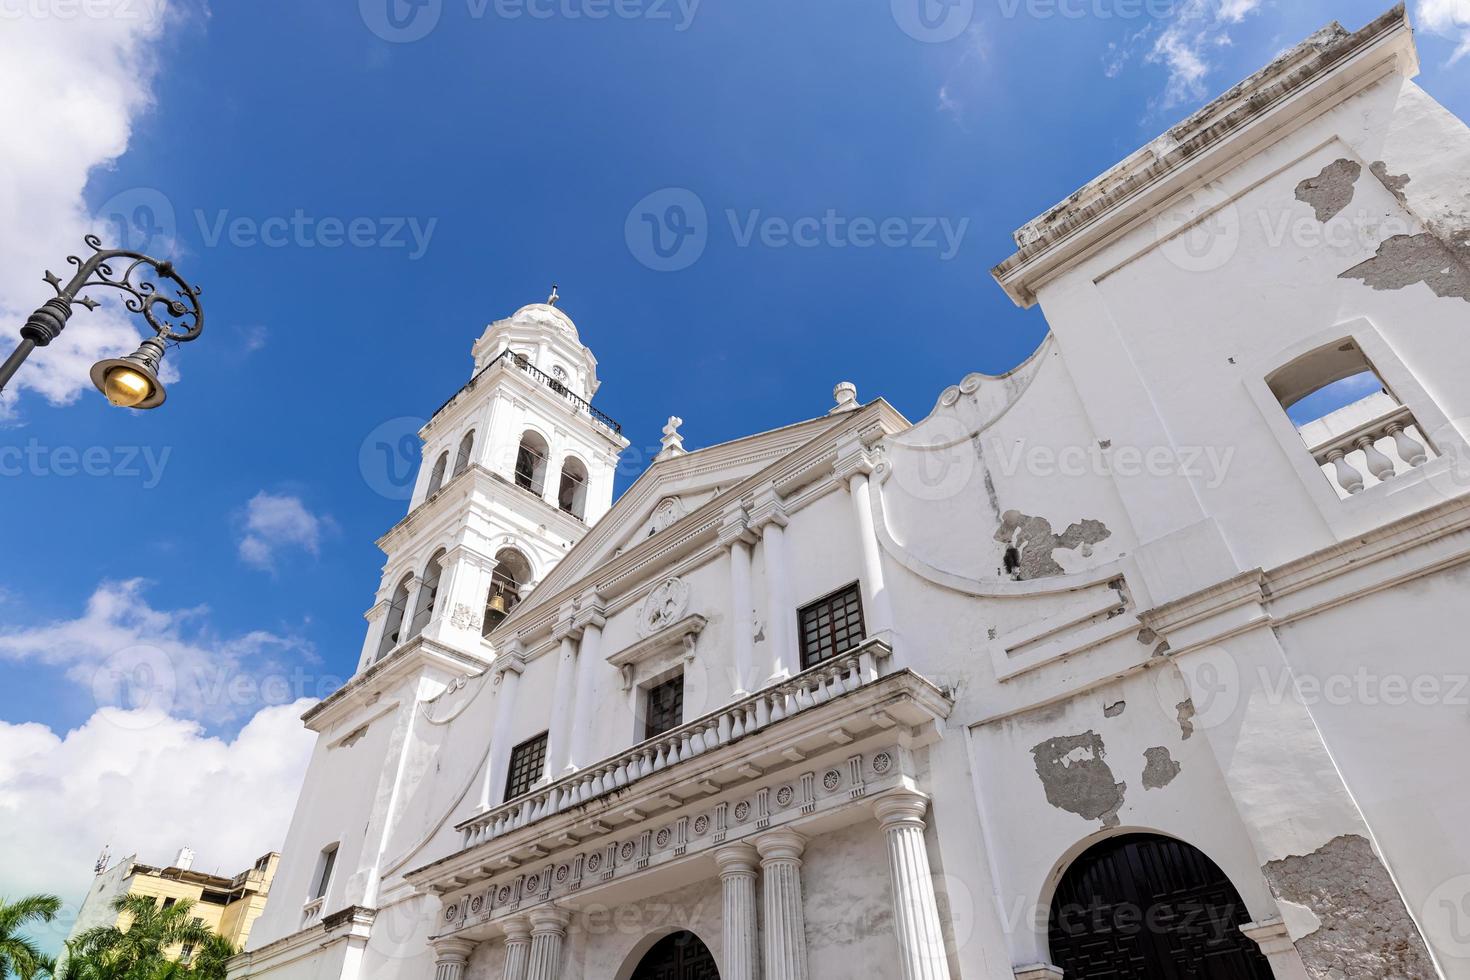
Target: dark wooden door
x=1140 y=907
x=680 y=956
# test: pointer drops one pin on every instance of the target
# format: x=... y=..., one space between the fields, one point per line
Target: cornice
x=1208 y=143
x=410 y=658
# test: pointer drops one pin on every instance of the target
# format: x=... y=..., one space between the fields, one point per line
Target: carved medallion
x=451 y=913
x=594 y=861
x=533 y=882
x=477 y=903
x=742 y=810
x=464 y=617
x=663 y=607
x=831 y=780
x=625 y=852
x=669 y=510
x=662 y=838
x=701 y=824
x=784 y=795
x=503 y=895
x=561 y=873
x=882 y=762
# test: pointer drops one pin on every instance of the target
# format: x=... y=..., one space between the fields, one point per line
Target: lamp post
x=131 y=381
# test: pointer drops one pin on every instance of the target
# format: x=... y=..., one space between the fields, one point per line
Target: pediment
x=670 y=489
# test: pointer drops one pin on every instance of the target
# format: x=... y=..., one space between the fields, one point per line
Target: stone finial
x=673 y=443
x=845 y=394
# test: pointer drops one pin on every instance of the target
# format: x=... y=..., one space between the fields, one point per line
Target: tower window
x=1358 y=432
x=527 y=761
x=831 y=626
x=462 y=456
x=531 y=463
x=436 y=478
x=393 y=621
x=664 y=707
x=572 y=496
x=428 y=595
x=324 y=866
x=512 y=572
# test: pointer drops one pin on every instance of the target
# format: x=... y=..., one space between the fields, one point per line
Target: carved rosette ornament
x=669 y=510
x=664 y=606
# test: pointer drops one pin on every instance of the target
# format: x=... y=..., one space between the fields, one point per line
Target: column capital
x=853 y=459
x=464 y=553
x=769 y=509
x=591 y=611
x=453 y=950
x=549 y=920
x=517 y=929
x=901 y=809
x=737 y=859
x=735 y=527
x=780 y=845
x=510 y=661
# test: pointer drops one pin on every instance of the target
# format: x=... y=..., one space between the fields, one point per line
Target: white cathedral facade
x=1118 y=665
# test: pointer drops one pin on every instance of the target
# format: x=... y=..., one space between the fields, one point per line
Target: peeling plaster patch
x=1331 y=190
x=1406 y=259
x=1034 y=541
x=1395 y=184
x=1077 y=779
x=1159 y=769
x=1162 y=650
x=1366 y=933
x=1147 y=636
x=1185 y=711
x=1115 y=709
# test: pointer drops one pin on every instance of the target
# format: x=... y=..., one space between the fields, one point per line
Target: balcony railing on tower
x=521 y=362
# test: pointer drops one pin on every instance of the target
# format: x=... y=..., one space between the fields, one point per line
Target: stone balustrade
x=768 y=706
x=1381 y=448
x=311 y=912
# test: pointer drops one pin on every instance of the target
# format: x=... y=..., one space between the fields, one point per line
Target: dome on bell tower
x=546 y=338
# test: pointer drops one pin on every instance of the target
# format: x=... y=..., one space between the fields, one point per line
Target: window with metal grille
x=527 y=761
x=665 y=708
x=831 y=626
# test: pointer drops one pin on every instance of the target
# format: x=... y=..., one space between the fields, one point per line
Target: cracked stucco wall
x=1077 y=778
x=1035 y=541
x=1363 y=932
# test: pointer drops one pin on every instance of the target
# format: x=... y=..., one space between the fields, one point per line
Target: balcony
x=510 y=359
x=810 y=748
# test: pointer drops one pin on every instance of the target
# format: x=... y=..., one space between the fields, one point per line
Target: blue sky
x=506 y=149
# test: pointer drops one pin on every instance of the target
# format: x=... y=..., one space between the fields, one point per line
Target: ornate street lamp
x=132 y=381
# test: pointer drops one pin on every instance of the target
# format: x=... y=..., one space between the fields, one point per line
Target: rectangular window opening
x=831 y=626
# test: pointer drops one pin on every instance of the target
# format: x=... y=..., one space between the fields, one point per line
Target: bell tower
x=516 y=466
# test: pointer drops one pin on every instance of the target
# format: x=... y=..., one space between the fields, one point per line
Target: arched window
x=462 y=457
x=681 y=954
x=428 y=594
x=393 y=621
x=436 y=478
x=512 y=572
x=572 y=496
x=1356 y=429
x=1193 y=910
x=531 y=463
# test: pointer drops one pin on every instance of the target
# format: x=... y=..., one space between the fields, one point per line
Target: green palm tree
x=19 y=956
x=139 y=946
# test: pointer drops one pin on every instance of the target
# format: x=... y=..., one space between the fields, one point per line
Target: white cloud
x=964 y=74
x=130 y=656
x=75 y=77
x=1185 y=46
x=275 y=523
x=1451 y=18
x=146 y=783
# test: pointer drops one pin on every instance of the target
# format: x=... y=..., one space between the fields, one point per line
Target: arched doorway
x=679 y=956
x=1143 y=906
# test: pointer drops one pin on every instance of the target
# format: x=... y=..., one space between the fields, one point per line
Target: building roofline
x=1211 y=138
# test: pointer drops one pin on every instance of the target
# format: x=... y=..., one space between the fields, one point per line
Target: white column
x=589 y=661
x=508 y=667
x=450 y=957
x=517 y=947
x=548 y=931
x=879 y=612
x=459 y=609
x=563 y=702
x=769 y=514
x=738 y=863
x=915 y=912
x=785 y=922
x=735 y=534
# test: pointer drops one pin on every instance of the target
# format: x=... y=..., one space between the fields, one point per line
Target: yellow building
x=228 y=906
